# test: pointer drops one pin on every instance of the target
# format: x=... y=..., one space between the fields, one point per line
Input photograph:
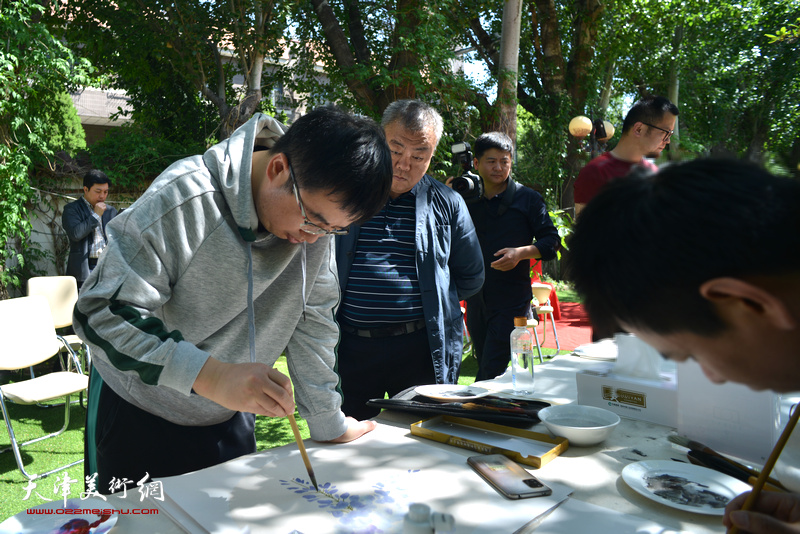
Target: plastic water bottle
x=521 y=357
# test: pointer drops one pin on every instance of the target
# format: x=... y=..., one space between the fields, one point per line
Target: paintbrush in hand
x=773 y=457
x=302 y=448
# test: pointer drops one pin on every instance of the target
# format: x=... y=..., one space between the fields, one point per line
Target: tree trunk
x=674 y=86
x=608 y=85
x=574 y=162
x=585 y=38
x=509 y=64
x=240 y=113
x=340 y=48
x=549 y=56
x=408 y=23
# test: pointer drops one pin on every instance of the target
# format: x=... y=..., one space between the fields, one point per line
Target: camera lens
x=463 y=185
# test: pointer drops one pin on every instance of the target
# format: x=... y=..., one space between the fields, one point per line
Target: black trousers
x=371 y=367
x=490 y=330
x=130 y=442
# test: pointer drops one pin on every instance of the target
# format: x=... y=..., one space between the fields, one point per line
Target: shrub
x=132 y=158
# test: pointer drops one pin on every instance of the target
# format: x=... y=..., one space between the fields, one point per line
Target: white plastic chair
x=61 y=293
x=29 y=338
x=542 y=294
x=533 y=322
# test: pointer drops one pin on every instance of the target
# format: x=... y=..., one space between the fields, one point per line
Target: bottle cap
x=520 y=321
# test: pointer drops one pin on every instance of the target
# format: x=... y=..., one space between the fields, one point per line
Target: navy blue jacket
x=449 y=267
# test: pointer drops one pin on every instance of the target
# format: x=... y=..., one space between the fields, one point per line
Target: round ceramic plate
x=50 y=517
x=683 y=486
x=451 y=392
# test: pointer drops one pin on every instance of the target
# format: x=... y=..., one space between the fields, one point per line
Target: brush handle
x=694 y=445
x=302 y=448
x=717 y=464
x=773 y=457
x=768 y=486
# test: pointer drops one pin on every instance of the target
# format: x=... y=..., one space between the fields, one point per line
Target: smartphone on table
x=507 y=477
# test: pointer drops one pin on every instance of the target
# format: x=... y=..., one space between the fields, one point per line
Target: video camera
x=469 y=185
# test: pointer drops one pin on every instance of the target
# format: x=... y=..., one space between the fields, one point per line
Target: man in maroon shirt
x=646 y=131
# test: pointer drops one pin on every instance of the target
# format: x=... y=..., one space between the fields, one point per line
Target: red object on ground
x=573 y=328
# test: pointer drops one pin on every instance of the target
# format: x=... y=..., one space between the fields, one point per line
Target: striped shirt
x=383 y=287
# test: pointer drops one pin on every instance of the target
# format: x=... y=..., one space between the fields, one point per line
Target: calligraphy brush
x=773 y=457
x=697 y=446
x=302 y=448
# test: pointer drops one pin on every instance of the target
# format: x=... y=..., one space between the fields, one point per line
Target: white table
x=601 y=501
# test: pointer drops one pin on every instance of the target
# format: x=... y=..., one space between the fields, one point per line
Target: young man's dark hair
x=332 y=150
x=95 y=176
x=689 y=223
x=648 y=110
x=707 y=268
x=496 y=140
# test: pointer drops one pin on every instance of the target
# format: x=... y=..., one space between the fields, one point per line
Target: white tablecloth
x=245 y=495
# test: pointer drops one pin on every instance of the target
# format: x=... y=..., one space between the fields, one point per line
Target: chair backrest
x=541 y=292
x=27 y=335
x=61 y=293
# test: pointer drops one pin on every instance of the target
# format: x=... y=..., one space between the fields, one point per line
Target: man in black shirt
x=513 y=227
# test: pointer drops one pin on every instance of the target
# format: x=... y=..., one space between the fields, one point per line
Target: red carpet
x=573 y=328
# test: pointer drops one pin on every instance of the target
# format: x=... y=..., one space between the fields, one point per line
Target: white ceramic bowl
x=581 y=425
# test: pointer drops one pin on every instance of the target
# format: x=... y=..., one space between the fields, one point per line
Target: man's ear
x=736 y=297
x=277 y=164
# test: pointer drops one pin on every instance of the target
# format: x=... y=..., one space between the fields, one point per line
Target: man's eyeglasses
x=308 y=226
x=667 y=133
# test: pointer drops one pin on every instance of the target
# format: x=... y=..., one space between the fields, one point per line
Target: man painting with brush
x=720 y=240
x=223 y=264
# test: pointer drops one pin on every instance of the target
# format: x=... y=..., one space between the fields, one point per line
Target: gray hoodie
x=172 y=286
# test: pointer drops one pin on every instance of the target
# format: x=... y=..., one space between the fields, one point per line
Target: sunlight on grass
x=276 y=431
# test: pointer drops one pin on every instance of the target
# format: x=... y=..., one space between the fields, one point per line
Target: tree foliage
x=738 y=90
x=35 y=68
x=165 y=53
x=61 y=126
x=556 y=78
x=132 y=157
x=380 y=52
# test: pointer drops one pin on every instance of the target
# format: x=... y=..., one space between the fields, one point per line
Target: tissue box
x=649 y=400
x=730 y=418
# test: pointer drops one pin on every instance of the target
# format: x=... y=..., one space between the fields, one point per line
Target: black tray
x=490 y=408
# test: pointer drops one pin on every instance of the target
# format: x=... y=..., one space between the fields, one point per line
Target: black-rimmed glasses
x=667 y=133
x=308 y=226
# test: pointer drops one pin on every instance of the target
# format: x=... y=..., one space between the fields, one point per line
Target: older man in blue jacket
x=404 y=272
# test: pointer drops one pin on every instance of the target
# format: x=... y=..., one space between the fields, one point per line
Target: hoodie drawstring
x=303 y=268
x=251 y=314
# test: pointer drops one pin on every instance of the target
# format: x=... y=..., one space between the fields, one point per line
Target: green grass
x=567 y=294
x=32 y=421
